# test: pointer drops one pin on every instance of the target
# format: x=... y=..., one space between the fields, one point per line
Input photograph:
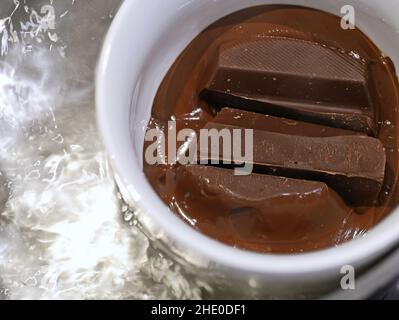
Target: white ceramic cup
x=143 y=42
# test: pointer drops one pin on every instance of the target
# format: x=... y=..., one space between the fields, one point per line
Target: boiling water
x=64 y=233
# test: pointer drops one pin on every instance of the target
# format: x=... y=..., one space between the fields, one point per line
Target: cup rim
x=356 y=252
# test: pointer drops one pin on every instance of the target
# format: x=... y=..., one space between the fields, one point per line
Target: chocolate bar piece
x=252 y=120
x=353 y=165
x=285 y=208
x=295 y=79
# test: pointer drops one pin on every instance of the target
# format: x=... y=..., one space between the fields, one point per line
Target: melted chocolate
x=337 y=78
x=257 y=209
x=294 y=78
x=353 y=165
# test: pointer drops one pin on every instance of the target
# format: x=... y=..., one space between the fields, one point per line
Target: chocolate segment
x=354 y=166
x=253 y=120
x=296 y=79
x=259 y=206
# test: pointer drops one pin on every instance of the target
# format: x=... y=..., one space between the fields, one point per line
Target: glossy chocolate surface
x=294 y=78
x=300 y=81
x=353 y=165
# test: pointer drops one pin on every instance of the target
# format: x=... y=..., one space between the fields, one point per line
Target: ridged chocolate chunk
x=296 y=79
x=353 y=165
x=285 y=208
